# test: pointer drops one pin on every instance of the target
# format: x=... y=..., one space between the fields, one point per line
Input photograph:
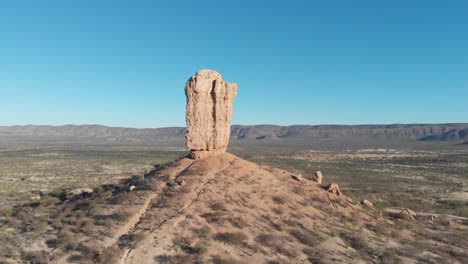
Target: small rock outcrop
x=317 y=177
x=334 y=189
x=297 y=177
x=209 y=113
x=406 y=214
x=367 y=203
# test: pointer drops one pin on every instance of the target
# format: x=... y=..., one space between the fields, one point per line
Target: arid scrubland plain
x=383 y=164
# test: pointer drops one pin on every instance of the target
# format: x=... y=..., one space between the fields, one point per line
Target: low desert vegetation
x=233 y=238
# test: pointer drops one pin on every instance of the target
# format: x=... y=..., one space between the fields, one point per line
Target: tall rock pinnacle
x=209 y=113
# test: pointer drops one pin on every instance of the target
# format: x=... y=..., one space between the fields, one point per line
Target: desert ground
x=429 y=178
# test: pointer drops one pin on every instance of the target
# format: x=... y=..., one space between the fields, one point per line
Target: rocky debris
x=406 y=214
x=333 y=188
x=317 y=177
x=367 y=203
x=209 y=113
x=297 y=177
x=131 y=188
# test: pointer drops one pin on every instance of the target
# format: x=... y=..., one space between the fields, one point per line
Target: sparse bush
x=298 y=215
x=298 y=189
x=204 y=232
x=225 y=260
x=215 y=217
x=419 y=245
x=176 y=259
x=279 y=199
x=199 y=248
x=355 y=240
x=280 y=226
x=277 y=243
x=131 y=239
x=181 y=241
x=278 y=210
x=166 y=201
x=381 y=205
x=84 y=206
x=6 y=212
x=89 y=254
x=218 y=206
x=389 y=256
x=36 y=257
x=121 y=215
x=109 y=255
x=234 y=238
x=380 y=228
x=75 y=258
x=237 y=222
x=306 y=237
x=87 y=227
x=67 y=241
x=314 y=256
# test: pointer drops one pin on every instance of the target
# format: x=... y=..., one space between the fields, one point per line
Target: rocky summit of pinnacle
x=209 y=113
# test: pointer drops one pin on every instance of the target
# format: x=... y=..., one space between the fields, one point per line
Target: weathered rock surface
x=406 y=214
x=333 y=188
x=318 y=177
x=209 y=113
x=297 y=177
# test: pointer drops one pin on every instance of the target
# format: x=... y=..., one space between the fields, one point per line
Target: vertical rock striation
x=209 y=113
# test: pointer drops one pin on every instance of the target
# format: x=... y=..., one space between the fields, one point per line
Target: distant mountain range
x=453 y=133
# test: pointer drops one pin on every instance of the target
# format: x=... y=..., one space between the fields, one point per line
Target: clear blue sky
x=125 y=63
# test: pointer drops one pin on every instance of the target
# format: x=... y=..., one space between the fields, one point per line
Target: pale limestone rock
x=367 y=203
x=209 y=113
x=318 y=177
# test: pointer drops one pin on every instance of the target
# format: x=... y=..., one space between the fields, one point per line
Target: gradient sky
x=125 y=63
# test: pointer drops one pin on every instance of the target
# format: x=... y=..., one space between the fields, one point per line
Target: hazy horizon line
x=260 y=124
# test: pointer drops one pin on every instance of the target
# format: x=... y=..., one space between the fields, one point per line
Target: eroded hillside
x=222 y=210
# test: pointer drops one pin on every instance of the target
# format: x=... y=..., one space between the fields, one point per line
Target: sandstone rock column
x=209 y=113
